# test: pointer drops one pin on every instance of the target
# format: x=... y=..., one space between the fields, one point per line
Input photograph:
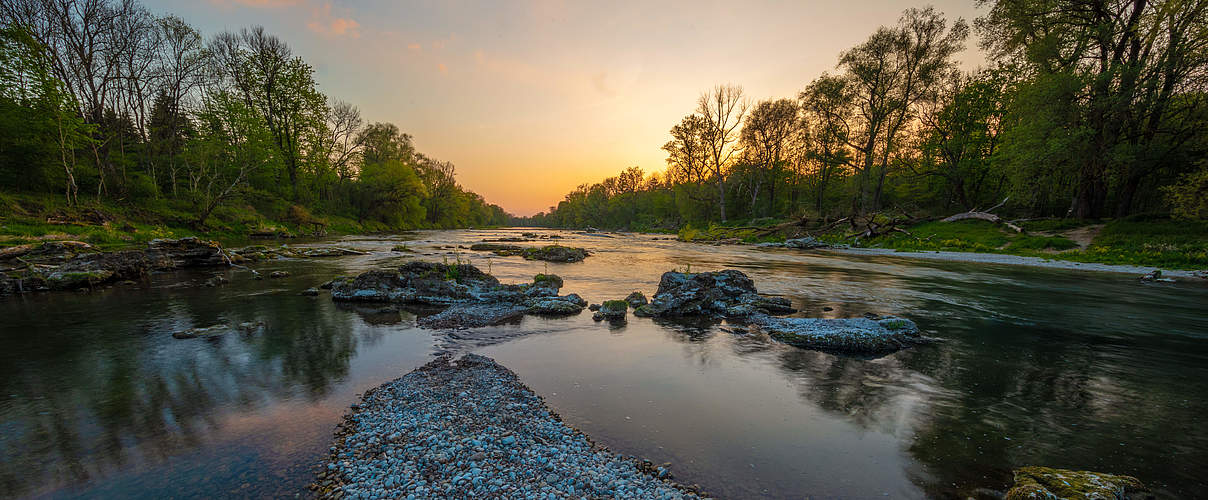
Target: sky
x=533 y=98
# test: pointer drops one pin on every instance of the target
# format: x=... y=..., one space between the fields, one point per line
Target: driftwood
x=984 y=215
x=872 y=228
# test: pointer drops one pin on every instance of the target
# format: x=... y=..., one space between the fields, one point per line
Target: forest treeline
x=103 y=102
x=1087 y=109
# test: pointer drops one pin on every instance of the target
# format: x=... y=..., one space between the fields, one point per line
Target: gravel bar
x=1018 y=260
x=470 y=428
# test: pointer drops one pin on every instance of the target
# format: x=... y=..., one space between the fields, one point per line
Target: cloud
x=324 y=23
x=258 y=3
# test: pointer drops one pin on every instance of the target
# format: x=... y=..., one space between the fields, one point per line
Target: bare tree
x=723 y=109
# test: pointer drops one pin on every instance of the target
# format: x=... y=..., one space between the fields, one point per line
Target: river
x=1072 y=369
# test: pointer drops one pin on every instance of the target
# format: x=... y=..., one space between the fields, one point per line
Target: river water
x=1091 y=371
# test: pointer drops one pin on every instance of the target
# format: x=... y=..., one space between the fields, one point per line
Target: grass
x=1163 y=243
x=1142 y=241
x=26 y=218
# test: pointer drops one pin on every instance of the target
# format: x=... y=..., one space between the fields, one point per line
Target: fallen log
x=984 y=215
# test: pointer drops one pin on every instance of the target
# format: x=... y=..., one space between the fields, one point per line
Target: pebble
x=470 y=428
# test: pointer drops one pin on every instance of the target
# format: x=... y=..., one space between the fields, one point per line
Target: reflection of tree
x=115 y=388
x=969 y=413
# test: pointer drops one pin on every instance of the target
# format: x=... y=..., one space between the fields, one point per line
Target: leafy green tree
x=262 y=70
x=1103 y=101
x=961 y=125
x=392 y=193
x=40 y=128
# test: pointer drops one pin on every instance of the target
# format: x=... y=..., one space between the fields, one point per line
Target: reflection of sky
x=567 y=92
x=1040 y=367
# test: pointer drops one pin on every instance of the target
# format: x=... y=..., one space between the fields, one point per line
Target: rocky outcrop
x=868 y=335
x=550 y=253
x=81 y=268
x=473 y=298
x=258 y=253
x=1037 y=483
x=728 y=293
x=636 y=300
x=612 y=310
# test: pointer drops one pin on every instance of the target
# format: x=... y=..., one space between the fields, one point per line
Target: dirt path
x=1083 y=236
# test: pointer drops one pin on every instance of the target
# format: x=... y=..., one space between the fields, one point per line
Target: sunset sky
x=531 y=99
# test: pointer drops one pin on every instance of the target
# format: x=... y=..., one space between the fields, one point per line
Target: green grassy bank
x=1143 y=241
x=32 y=218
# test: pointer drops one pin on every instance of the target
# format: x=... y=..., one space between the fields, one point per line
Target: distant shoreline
x=1019 y=260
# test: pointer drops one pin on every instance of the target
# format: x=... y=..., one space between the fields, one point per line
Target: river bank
x=1158 y=243
x=1019 y=260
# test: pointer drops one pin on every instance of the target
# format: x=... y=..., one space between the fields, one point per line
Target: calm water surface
x=1040 y=367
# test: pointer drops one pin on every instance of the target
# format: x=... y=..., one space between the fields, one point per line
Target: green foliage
x=222 y=137
x=1189 y=197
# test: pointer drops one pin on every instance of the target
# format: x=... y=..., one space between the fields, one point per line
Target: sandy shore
x=1016 y=260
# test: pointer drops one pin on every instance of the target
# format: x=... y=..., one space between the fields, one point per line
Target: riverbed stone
x=612 y=310
x=473 y=297
x=636 y=299
x=726 y=293
x=550 y=253
x=1037 y=483
x=865 y=335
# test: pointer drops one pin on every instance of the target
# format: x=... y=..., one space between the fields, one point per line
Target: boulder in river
x=475 y=298
x=1037 y=483
x=460 y=316
x=867 y=335
x=550 y=253
x=612 y=310
x=728 y=293
x=636 y=299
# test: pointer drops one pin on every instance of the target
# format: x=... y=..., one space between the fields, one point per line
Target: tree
x=392 y=193
x=885 y=77
x=37 y=116
x=826 y=108
x=234 y=146
x=1120 y=70
x=722 y=110
x=769 y=128
x=261 y=69
x=961 y=124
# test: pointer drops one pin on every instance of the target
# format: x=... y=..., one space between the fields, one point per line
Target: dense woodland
x=103 y=103
x=1086 y=109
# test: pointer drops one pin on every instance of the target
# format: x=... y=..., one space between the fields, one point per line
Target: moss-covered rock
x=555 y=253
x=612 y=310
x=71 y=280
x=636 y=299
x=1035 y=483
x=548 y=280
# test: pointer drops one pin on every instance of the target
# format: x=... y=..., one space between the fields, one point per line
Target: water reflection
x=101 y=385
x=1058 y=368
